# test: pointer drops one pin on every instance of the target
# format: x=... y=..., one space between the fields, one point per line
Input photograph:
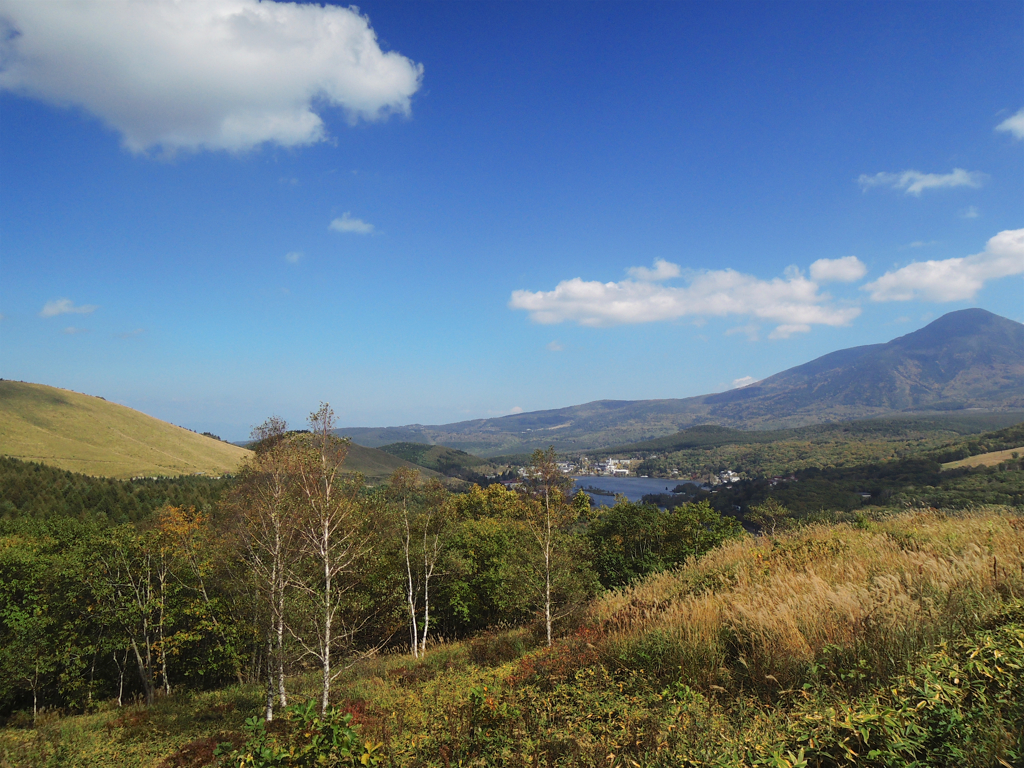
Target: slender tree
x=335 y=539
x=264 y=504
x=548 y=514
x=126 y=584
x=420 y=515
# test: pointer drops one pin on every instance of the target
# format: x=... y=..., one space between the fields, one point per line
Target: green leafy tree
x=28 y=653
x=631 y=540
x=771 y=516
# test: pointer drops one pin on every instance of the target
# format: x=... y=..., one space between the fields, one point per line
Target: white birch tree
x=334 y=537
x=263 y=504
x=548 y=513
x=420 y=515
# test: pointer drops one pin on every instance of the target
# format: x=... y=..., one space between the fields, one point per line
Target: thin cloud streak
x=348 y=223
x=65 y=307
x=915 y=182
x=1013 y=125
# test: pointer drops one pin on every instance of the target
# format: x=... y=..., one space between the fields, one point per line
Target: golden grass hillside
x=87 y=434
x=986 y=459
x=759 y=612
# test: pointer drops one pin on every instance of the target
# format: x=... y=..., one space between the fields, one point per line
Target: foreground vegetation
x=892 y=641
x=294 y=615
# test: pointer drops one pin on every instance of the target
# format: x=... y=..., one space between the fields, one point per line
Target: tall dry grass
x=844 y=602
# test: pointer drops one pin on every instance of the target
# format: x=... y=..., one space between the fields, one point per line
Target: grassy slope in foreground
x=895 y=641
x=87 y=434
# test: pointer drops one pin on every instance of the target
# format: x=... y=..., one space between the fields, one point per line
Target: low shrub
x=304 y=738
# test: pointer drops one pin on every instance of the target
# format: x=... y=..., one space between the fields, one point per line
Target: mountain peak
x=964 y=323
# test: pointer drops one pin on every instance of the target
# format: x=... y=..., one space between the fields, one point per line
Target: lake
x=633 y=488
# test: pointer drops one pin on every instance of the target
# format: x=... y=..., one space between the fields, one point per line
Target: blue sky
x=429 y=212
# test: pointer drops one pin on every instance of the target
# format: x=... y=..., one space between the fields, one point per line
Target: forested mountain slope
x=966 y=359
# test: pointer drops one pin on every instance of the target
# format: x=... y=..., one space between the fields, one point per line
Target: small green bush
x=306 y=738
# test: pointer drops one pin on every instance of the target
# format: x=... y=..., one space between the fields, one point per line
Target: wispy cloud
x=217 y=74
x=293 y=257
x=1013 y=125
x=970 y=212
x=348 y=223
x=65 y=307
x=922 y=244
x=786 y=330
x=555 y=346
x=130 y=334
x=663 y=270
x=743 y=381
x=71 y=330
x=915 y=182
x=954 y=279
x=844 y=270
x=792 y=301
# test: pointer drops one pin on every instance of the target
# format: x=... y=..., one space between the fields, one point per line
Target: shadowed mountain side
x=966 y=359
x=86 y=434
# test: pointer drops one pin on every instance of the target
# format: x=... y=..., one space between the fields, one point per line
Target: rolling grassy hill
x=87 y=434
x=377 y=466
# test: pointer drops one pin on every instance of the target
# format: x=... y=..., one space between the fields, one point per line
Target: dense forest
x=701 y=452
x=116 y=589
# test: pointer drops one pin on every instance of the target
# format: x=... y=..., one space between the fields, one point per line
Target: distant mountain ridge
x=970 y=358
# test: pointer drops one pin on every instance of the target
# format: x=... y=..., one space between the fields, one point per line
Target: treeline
x=1001 y=440
x=293 y=566
x=767 y=454
x=910 y=482
x=28 y=489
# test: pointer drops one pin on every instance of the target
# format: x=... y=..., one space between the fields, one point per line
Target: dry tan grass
x=986 y=459
x=759 y=611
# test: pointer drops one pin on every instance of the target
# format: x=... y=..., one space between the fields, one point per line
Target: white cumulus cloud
x=1013 y=125
x=844 y=270
x=203 y=74
x=915 y=182
x=953 y=279
x=65 y=307
x=792 y=301
x=347 y=223
x=743 y=381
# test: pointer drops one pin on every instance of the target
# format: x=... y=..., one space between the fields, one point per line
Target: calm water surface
x=633 y=488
